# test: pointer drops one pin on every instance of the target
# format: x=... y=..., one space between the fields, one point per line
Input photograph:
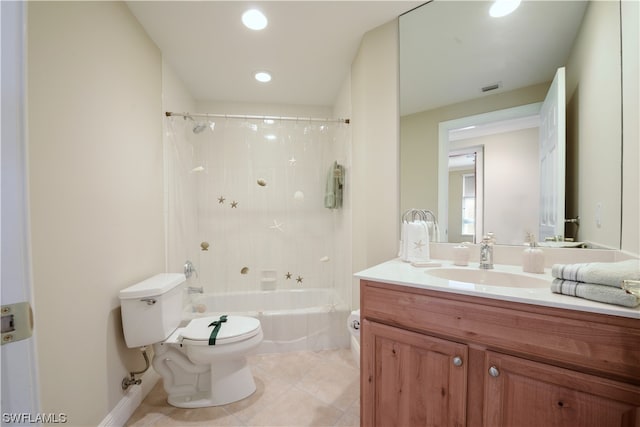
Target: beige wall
x=594 y=132
x=96 y=195
x=374 y=126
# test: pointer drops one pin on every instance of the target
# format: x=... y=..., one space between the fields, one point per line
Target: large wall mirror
x=471 y=89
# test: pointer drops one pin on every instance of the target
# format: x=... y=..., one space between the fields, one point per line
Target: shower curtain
x=245 y=203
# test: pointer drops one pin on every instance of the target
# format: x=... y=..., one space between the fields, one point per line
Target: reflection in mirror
x=465 y=192
x=450 y=51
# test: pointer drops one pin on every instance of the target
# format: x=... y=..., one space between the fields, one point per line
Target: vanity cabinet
x=432 y=358
x=419 y=380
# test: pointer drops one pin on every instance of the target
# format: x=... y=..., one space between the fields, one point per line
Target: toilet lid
x=236 y=328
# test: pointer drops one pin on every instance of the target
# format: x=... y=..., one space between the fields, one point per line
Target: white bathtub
x=292 y=319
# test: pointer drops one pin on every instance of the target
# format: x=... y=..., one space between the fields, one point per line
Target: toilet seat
x=235 y=329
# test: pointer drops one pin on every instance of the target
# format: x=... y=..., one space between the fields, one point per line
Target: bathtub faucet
x=195 y=290
x=189 y=269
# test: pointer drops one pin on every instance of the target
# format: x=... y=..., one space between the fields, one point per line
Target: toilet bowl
x=197 y=370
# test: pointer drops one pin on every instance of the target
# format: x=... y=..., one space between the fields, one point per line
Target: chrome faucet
x=189 y=269
x=486 y=252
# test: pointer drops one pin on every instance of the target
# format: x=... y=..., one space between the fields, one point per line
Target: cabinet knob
x=493 y=371
x=457 y=361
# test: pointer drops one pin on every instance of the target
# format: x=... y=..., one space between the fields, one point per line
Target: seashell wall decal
x=204 y=246
x=262 y=182
x=244 y=270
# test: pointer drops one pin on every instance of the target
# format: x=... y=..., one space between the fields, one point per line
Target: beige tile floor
x=293 y=389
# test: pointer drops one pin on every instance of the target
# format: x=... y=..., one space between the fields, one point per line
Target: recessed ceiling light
x=502 y=8
x=262 y=76
x=254 y=19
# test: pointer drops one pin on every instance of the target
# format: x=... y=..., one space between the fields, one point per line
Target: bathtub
x=292 y=319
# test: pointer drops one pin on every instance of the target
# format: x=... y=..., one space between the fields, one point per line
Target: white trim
x=134 y=396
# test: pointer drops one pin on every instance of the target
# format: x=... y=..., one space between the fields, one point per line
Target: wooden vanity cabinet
x=432 y=358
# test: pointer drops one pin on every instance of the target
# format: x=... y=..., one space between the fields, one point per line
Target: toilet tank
x=151 y=309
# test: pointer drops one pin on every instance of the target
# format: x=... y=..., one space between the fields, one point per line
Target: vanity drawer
x=596 y=343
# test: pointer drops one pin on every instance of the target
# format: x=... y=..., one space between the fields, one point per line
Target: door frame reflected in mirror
x=444 y=146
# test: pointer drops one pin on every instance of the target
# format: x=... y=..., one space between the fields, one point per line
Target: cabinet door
x=520 y=392
x=411 y=379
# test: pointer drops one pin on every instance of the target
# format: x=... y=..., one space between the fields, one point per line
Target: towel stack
x=597 y=281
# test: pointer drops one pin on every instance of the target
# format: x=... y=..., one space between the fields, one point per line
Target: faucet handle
x=189 y=269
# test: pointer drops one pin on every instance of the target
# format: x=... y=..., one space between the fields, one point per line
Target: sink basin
x=488 y=277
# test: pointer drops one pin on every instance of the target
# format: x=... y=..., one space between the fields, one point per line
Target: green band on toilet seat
x=217 y=325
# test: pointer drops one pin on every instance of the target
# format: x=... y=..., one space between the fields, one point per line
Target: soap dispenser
x=533 y=257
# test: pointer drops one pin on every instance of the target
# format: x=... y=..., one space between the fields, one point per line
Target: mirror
x=457 y=62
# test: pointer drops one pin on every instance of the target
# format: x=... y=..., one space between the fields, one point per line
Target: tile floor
x=293 y=389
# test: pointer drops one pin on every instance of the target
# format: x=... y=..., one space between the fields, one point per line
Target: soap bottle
x=533 y=257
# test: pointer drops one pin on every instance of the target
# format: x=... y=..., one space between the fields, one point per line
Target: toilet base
x=230 y=383
x=216 y=380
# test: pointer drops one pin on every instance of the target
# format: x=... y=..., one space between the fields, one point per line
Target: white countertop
x=403 y=273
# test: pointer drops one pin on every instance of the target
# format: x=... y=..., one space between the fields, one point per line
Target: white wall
x=96 y=194
x=375 y=174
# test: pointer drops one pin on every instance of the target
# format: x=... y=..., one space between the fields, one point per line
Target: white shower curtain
x=252 y=192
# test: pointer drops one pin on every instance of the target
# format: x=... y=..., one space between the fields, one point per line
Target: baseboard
x=132 y=398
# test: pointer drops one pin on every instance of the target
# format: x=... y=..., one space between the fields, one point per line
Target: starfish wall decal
x=221 y=199
x=276 y=226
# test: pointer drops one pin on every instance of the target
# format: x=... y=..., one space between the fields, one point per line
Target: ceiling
x=308 y=46
x=449 y=49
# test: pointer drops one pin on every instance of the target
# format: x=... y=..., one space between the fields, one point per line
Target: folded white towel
x=600 y=273
x=593 y=292
x=434 y=231
x=414 y=246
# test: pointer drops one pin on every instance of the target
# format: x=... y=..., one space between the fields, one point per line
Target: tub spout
x=195 y=290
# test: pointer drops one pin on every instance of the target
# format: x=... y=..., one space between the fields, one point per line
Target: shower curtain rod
x=249 y=117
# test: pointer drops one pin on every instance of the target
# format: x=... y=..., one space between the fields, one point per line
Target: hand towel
x=434 y=231
x=415 y=242
x=600 y=273
x=593 y=292
x=333 y=190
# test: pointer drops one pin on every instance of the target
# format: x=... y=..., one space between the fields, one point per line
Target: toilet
x=197 y=370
